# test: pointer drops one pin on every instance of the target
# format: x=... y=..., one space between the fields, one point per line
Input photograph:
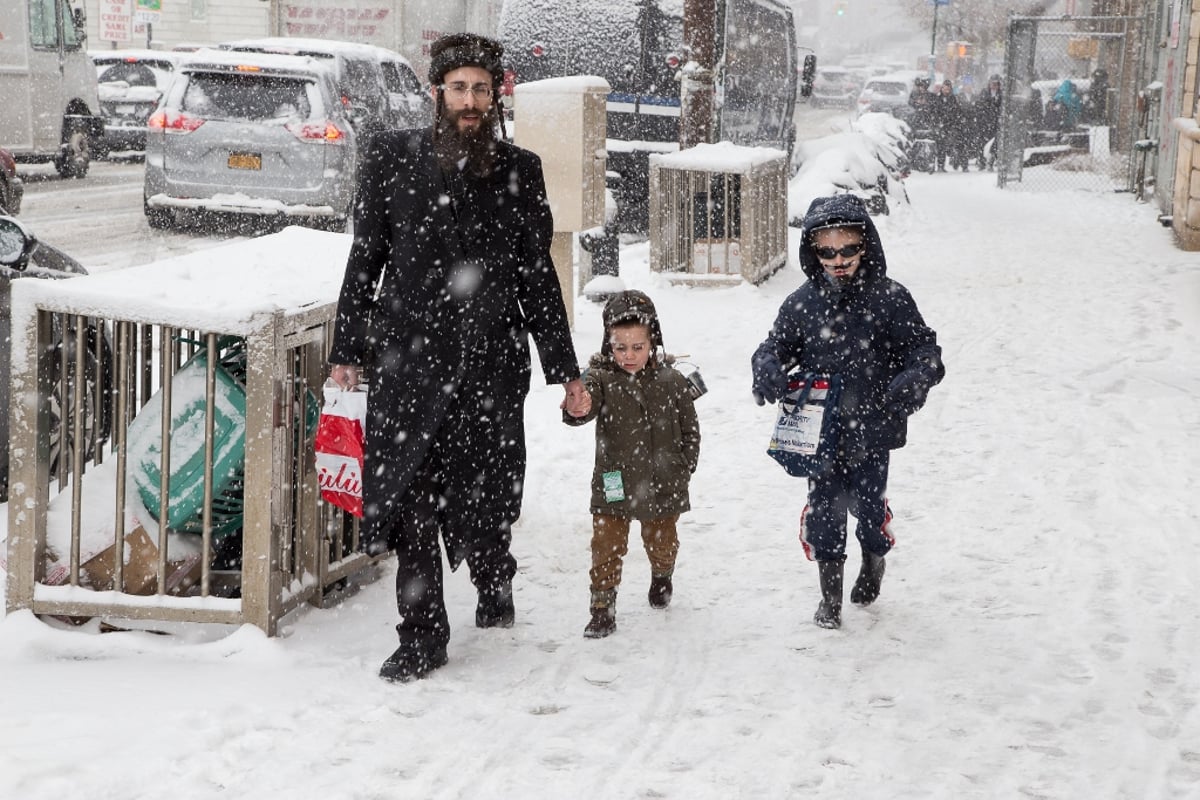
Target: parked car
x=890 y=92
x=23 y=256
x=378 y=86
x=11 y=187
x=130 y=83
x=835 y=87
x=253 y=134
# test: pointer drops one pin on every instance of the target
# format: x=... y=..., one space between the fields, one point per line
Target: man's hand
x=345 y=376
x=577 y=402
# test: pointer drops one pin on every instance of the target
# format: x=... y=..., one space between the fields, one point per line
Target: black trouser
x=468 y=491
x=858 y=489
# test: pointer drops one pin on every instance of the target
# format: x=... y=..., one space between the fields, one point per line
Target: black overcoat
x=439 y=295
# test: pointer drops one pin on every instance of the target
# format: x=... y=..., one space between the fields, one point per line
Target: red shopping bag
x=339 y=447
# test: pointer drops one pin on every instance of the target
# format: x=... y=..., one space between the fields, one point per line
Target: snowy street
x=1036 y=635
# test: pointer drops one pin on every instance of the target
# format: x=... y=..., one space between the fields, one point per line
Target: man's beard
x=473 y=150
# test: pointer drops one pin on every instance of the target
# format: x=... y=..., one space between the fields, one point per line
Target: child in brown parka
x=647 y=447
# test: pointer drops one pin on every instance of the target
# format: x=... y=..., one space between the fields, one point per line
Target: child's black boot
x=870 y=578
x=660 y=591
x=829 y=612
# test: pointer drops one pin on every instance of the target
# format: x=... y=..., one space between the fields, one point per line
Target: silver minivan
x=250 y=134
x=377 y=85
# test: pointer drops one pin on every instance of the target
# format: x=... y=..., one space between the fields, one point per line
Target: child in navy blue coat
x=850 y=319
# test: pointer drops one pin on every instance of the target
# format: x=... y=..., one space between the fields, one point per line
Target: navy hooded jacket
x=868 y=331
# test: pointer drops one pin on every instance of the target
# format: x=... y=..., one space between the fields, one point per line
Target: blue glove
x=906 y=393
x=770 y=381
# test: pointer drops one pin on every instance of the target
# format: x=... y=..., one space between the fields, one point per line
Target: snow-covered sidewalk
x=1037 y=633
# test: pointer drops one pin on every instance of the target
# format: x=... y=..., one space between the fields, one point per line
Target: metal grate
x=718 y=225
x=1067 y=120
x=291 y=547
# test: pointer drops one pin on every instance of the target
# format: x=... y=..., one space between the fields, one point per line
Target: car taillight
x=538 y=50
x=674 y=60
x=318 y=132
x=173 y=122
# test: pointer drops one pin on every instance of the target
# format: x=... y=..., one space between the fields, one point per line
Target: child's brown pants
x=610 y=543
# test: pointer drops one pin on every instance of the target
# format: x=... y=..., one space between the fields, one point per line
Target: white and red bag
x=339 y=447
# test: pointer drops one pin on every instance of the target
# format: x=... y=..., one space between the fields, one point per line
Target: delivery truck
x=49 y=108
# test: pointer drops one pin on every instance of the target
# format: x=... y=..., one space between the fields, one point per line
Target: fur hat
x=465 y=50
x=631 y=306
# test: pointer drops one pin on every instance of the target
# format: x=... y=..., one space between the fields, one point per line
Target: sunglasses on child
x=830 y=253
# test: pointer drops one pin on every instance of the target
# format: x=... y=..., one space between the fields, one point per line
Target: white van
x=48 y=94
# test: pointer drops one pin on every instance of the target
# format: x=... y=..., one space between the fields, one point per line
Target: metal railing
x=725 y=223
x=85 y=379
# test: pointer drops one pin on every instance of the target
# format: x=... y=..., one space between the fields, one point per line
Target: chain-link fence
x=1068 y=118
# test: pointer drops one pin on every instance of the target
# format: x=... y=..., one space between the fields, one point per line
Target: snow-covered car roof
x=113 y=56
x=278 y=62
x=317 y=47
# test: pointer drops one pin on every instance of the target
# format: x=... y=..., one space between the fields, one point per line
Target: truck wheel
x=76 y=155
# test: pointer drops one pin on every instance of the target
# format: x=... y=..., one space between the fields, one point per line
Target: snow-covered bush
x=868 y=161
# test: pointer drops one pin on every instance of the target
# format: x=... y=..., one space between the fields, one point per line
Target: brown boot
x=604 y=616
x=660 y=591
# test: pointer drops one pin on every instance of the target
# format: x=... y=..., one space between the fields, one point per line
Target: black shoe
x=410 y=663
x=660 y=591
x=870 y=578
x=829 y=612
x=603 y=623
x=496 y=609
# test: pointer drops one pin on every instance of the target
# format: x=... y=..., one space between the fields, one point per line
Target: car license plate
x=126 y=109
x=245 y=161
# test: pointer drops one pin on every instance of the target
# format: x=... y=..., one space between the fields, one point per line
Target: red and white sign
x=116 y=20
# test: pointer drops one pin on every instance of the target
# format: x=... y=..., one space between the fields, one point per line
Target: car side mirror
x=17 y=244
x=807 y=73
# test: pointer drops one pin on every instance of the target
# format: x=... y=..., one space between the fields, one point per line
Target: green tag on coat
x=614 y=487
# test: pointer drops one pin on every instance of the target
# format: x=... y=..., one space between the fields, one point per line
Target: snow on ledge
x=571 y=84
x=222 y=289
x=719 y=157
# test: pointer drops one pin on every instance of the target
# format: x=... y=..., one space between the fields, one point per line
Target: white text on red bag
x=339 y=447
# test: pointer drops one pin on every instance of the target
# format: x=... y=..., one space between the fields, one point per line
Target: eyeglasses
x=458 y=91
x=830 y=253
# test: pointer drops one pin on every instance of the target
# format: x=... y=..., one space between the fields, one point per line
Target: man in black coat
x=851 y=320
x=987 y=120
x=448 y=276
x=949 y=127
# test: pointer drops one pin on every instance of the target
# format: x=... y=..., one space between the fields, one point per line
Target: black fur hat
x=465 y=50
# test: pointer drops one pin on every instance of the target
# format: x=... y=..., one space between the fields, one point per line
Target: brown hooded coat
x=646 y=428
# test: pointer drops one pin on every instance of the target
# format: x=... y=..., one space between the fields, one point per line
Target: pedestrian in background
x=987 y=122
x=949 y=127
